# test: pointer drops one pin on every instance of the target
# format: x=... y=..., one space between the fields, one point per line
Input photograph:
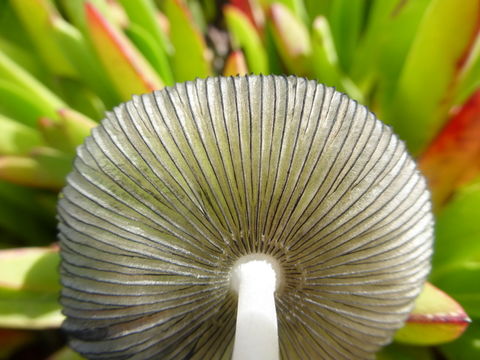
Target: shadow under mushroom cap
x=175 y=186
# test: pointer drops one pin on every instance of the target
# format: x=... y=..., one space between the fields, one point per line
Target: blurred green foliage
x=63 y=63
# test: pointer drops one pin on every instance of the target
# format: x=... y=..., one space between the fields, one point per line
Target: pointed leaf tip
x=292 y=39
x=68 y=132
x=244 y=36
x=235 y=64
x=44 y=168
x=127 y=68
x=436 y=319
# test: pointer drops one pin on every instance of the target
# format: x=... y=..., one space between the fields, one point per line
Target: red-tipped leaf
x=127 y=68
x=452 y=158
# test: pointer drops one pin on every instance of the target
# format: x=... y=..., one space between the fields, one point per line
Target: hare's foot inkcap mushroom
x=175 y=187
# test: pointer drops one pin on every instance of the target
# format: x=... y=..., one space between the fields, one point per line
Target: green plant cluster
x=63 y=63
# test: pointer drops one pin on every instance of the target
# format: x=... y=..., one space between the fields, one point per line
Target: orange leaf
x=235 y=64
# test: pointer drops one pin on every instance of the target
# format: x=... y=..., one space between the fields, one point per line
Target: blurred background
x=64 y=63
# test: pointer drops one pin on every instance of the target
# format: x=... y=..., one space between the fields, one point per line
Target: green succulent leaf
x=36 y=223
x=45 y=168
x=127 y=69
x=75 y=12
x=381 y=51
x=29 y=288
x=36 y=16
x=458 y=224
x=69 y=132
x=315 y=8
x=457 y=268
x=14 y=74
x=346 y=19
x=251 y=10
x=244 y=36
x=66 y=354
x=425 y=93
x=325 y=60
x=435 y=319
x=297 y=7
x=80 y=54
x=452 y=157
x=148 y=35
x=29 y=200
x=17 y=138
x=19 y=105
x=190 y=56
x=150 y=49
x=292 y=40
x=80 y=97
x=23 y=58
x=469 y=78
x=461 y=281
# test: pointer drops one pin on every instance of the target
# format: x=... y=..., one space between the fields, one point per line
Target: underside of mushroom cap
x=175 y=186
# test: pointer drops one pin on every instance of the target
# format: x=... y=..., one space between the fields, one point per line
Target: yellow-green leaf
x=297 y=7
x=191 y=57
x=12 y=73
x=45 y=168
x=80 y=54
x=292 y=40
x=67 y=133
x=383 y=47
x=147 y=44
x=346 y=20
x=425 y=88
x=324 y=54
x=66 y=354
x=29 y=288
x=244 y=36
x=128 y=70
x=17 y=138
x=36 y=16
x=142 y=14
x=436 y=319
x=18 y=104
x=469 y=77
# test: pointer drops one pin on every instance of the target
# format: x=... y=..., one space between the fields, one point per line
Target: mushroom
x=276 y=194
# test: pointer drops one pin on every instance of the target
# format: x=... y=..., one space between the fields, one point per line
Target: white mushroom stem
x=254 y=277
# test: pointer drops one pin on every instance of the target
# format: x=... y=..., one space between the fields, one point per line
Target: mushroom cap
x=175 y=186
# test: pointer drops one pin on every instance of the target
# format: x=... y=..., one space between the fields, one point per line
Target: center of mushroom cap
x=257 y=265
